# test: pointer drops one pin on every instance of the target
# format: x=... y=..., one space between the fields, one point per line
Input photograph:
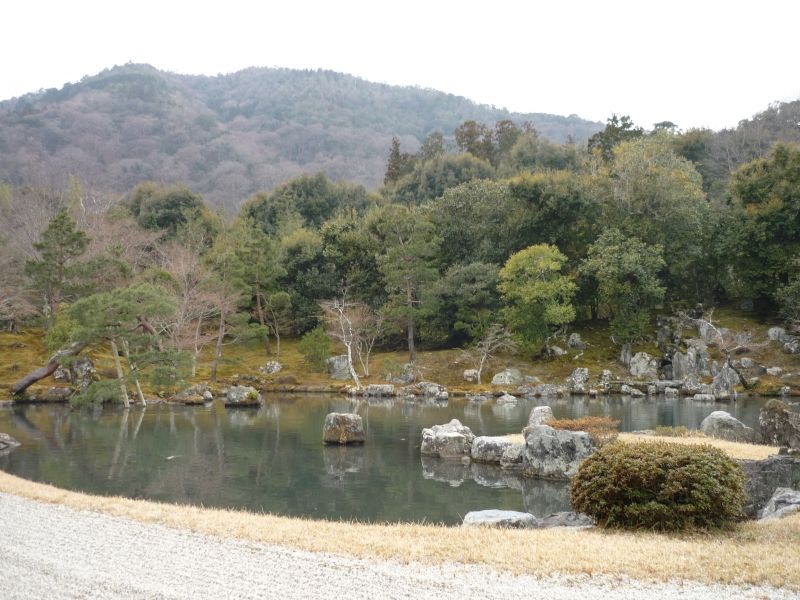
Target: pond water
x=271 y=459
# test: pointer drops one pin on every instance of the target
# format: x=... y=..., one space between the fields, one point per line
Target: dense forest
x=230 y=136
x=500 y=240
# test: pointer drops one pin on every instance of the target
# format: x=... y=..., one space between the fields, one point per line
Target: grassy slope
x=22 y=352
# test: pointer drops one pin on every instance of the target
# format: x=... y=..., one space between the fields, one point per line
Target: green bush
x=659 y=485
x=315 y=346
x=99 y=392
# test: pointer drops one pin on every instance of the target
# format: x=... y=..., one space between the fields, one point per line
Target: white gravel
x=49 y=551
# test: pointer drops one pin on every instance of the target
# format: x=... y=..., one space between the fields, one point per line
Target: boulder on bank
x=379 y=389
x=270 y=368
x=577 y=382
x=471 y=375
x=508 y=377
x=508 y=519
x=722 y=425
x=489 y=449
x=763 y=477
x=576 y=342
x=554 y=453
x=571 y=519
x=7 y=443
x=242 y=395
x=540 y=415
x=784 y=501
x=343 y=428
x=779 y=425
x=338 y=367
x=428 y=390
x=644 y=366
x=452 y=440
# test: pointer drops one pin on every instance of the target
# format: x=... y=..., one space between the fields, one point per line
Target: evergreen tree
x=56 y=274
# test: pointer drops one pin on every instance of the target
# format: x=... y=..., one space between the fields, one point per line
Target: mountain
x=231 y=135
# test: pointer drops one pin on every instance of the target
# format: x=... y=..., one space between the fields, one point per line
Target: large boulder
x=763 y=477
x=242 y=395
x=784 y=501
x=778 y=334
x=489 y=449
x=428 y=390
x=338 y=367
x=508 y=519
x=779 y=425
x=554 y=453
x=508 y=377
x=644 y=366
x=577 y=382
x=725 y=382
x=452 y=440
x=693 y=363
x=722 y=425
x=540 y=415
x=7 y=443
x=343 y=428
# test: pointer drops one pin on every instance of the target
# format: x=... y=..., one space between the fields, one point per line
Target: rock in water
x=489 y=449
x=555 y=453
x=506 y=398
x=338 y=367
x=722 y=425
x=540 y=415
x=499 y=518
x=379 y=389
x=784 y=501
x=7 y=443
x=508 y=377
x=242 y=395
x=343 y=428
x=452 y=440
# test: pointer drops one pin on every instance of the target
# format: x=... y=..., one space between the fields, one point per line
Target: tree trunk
x=218 y=348
x=262 y=322
x=132 y=371
x=120 y=377
x=52 y=364
x=412 y=351
x=353 y=373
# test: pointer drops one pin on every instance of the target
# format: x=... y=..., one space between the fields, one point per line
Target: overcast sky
x=696 y=63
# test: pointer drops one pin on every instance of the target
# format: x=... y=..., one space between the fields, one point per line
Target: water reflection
x=271 y=458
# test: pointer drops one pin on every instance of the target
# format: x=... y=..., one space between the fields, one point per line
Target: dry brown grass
x=750 y=554
x=733 y=449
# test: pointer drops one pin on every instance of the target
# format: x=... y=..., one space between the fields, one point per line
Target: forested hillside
x=229 y=136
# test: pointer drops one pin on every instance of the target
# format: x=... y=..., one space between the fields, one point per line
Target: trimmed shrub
x=602 y=430
x=659 y=485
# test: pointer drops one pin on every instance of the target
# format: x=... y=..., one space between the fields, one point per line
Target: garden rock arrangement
x=195 y=394
x=378 y=389
x=452 y=440
x=242 y=396
x=720 y=424
x=763 y=477
x=428 y=390
x=343 y=428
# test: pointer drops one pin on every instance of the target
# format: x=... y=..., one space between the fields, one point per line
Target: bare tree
x=369 y=325
x=338 y=315
x=496 y=340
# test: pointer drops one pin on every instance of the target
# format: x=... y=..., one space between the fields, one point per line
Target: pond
x=271 y=459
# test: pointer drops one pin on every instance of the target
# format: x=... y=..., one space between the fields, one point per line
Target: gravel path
x=49 y=551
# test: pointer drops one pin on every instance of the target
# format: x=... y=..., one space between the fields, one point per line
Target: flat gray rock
x=509 y=519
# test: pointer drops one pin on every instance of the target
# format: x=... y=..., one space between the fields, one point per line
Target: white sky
x=696 y=63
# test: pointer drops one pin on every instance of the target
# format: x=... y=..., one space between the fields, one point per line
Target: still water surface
x=272 y=460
